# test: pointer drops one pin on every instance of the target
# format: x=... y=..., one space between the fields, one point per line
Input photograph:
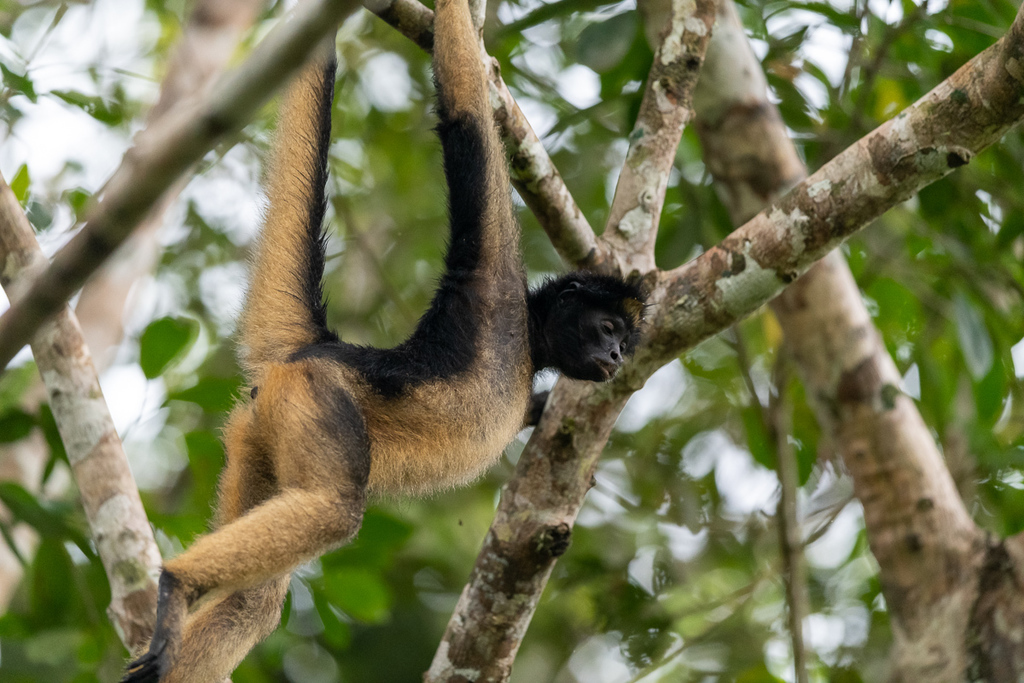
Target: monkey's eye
x=608 y=326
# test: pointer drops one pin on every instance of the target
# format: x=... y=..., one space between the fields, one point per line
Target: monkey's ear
x=569 y=289
x=635 y=309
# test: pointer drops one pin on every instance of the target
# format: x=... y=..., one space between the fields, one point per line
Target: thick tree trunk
x=954 y=598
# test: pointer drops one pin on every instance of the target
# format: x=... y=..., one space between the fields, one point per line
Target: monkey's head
x=585 y=325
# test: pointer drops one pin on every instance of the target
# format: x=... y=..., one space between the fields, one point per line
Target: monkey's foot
x=148 y=668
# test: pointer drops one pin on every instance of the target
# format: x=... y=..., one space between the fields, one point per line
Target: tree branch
x=161 y=155
x=664 y=111
x=967 y=112
x=791 y=547
x=110 y=497
x=533 y=173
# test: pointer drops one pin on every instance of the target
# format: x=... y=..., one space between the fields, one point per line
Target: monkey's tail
x=284 y=310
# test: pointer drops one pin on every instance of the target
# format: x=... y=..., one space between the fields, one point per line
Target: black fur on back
x=445 y=340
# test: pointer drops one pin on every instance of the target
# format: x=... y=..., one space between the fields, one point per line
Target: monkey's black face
x=584 y=325
x=589 y=344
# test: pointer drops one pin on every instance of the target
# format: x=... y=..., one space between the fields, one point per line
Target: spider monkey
x=328 y=422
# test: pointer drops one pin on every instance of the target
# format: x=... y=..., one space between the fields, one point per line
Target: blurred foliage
x=673 y=573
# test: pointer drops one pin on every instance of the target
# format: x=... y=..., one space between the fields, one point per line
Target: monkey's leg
x=248 y=477
x=315 y=438
x=268 y=541
x=247 y=480
x=219 y=634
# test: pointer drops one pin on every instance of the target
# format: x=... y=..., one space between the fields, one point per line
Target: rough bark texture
x=161 y=155
x=664 y=111
x=209 y=38
x=113 y=508
x=533 y=174
x=928 y=549
x=531 y=530
x=967 y=112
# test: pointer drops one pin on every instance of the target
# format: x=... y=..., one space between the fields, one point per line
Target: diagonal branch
x=533 y=173
x=161 y=156
x=664 y=112
x=942 y=131
x=110 y=497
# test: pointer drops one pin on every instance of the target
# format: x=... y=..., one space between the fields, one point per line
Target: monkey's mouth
x=608 y=369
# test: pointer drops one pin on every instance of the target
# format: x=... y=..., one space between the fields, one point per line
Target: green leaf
x=164 y=341
x=14 y=382
x=336 y=631
x=54 y=595
x=78 y=199
x=203 y=448
x=15 y=425
x=989 y=393
x=839 y=18
x=52 y=435
x=758 y=440
x=975 y=342
x=360 y=593
x=380 y=537
x=54 y=646
x=96 y=107
x=757 y=674
x=213 y=394
x=21 y=84
x=20 y=183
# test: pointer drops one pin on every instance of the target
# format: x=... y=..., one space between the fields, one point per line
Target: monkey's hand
x=149 y=667
x=171 y=610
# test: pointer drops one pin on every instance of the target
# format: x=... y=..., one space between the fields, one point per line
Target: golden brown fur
x=317 y=434
x=329 y=423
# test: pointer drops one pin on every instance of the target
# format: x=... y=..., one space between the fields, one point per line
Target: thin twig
x=780 y=412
